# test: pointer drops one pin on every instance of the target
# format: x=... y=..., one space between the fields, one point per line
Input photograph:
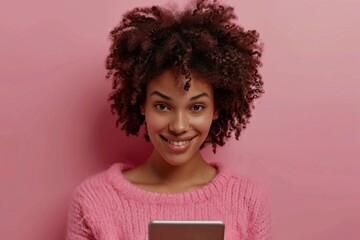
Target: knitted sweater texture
x=108 y=207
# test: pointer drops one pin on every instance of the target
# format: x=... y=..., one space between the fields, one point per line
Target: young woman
x=190 y=78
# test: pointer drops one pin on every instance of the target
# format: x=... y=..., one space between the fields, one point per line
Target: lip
x=177 y=148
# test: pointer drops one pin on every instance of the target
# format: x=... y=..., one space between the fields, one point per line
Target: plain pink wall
x=303 y=142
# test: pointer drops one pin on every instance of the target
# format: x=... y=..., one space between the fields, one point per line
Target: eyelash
x=162 y=106
x=197 y=105
x=157 y=106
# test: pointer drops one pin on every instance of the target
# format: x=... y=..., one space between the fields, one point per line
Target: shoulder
x=250 y=188
x=135 y=174
x=91 y=183
x=243 y=188
x=240 y=183
x=253 y=200
x=96 y=187
x=89 y=201
x=251 y=191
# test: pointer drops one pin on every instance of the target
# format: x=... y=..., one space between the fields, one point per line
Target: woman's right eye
x=161 y=107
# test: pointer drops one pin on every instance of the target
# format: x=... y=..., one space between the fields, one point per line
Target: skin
x=178 y=122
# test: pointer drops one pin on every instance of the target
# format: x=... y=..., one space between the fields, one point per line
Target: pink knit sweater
x=108 y=207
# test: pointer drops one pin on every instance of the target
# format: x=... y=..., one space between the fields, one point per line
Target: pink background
x=303 y=142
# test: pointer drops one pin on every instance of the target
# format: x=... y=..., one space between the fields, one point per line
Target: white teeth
x=178 y=143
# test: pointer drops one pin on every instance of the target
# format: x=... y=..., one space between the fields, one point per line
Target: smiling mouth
x=178 y=143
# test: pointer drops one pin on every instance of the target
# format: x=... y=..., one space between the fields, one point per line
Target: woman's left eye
x=197 y=108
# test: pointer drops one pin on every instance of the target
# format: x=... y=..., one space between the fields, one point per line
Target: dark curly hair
x=204 y=40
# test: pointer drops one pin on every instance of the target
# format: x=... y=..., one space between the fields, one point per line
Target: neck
x=192 y=173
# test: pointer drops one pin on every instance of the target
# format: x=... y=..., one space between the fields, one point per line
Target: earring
x=219 y=129
x=146 y=135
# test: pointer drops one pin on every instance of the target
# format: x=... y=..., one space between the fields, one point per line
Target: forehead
x=171 y=81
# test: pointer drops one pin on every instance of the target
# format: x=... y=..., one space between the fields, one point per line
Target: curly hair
x=204 y=39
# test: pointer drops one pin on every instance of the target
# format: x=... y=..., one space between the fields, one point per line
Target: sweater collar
x=127 y=190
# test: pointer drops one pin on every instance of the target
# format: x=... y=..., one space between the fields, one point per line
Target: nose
x=179 y=123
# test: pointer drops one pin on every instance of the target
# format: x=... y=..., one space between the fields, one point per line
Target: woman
x=190 y=78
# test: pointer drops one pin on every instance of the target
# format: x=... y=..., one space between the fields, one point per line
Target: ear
x=142 y=109
x=216 y=115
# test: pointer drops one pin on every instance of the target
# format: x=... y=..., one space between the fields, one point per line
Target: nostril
x=179 y=125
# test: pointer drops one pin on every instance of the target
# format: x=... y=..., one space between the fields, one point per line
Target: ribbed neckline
x=130 y=191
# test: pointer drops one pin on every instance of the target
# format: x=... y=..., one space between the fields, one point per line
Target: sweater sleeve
x=78 y=225
x=260 y=225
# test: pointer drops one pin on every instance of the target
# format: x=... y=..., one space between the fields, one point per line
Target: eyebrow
x=157 y=93
x=199 y=96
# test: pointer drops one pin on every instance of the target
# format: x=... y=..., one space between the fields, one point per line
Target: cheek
x=202 y=123
x=154 y=122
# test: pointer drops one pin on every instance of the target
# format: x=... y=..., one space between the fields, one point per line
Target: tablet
x=186 y=230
